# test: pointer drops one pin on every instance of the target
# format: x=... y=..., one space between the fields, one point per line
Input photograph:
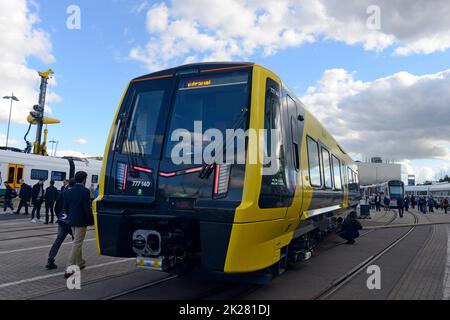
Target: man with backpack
x=10 y=194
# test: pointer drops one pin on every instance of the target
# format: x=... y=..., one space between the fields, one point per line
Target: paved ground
x=417 y=268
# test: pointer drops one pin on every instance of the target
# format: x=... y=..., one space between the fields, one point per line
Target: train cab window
x=337 y=173
x=326 y=169
x=143 y=125
x=314 y=163
x=37 y=174
x=58 y=175
x=94 y=178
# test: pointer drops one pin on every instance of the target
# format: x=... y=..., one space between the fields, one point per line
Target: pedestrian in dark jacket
x=445 y=203
x=407 y=201
x=350 y=228
x=77 y=204
x=401 y=206
x=25 y=197
x=378 y=202
x=387 y=203
x=63 y=228
x=10 y=194
x=413 y=202
x=51 y=195
x=37 y=198
x=430 y=204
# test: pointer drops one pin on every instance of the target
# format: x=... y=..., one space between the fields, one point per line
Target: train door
x=15 y=174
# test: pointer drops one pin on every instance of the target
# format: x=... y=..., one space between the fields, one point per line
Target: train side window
x=295 y=143
x=315 y=178
x=337 y=173
x=350 y=176
x=276 y=189
x=326 y=169
x=94 y=178
x=37 y=174
x=58 y=175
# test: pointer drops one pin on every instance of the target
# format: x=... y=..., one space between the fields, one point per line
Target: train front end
x=167 y=195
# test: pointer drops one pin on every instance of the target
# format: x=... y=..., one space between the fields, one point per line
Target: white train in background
x=437 y=191
x=15 y=166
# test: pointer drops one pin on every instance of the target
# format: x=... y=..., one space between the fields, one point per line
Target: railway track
x=351 y=274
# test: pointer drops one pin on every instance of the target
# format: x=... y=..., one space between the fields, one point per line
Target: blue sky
x=93 y=65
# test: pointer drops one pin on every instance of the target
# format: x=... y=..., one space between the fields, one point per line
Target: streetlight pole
x=12 y=98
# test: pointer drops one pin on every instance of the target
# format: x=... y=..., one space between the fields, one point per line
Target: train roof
x=8 y=156
x=196 y=67
x=431 y=187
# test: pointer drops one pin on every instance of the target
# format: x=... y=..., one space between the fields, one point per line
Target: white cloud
x=11 y=142
x=71 y=153
x=20 y=40
x=402 y=116
x=81 y=141
x=188 y=31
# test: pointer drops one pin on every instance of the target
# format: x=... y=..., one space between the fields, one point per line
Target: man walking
x=77 y=204
x=25 y=196
x=51 y=194
x=10 y=194
x=445 y=205
x=378 y=202
x=37 y=194
x=401 y=206
x=63 y=228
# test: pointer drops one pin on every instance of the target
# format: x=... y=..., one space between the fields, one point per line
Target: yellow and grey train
x=221 y=216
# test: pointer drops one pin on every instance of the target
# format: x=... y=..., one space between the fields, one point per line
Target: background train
x=220 y=216
x=437 y=191
x=392 y=189
x=18 y=165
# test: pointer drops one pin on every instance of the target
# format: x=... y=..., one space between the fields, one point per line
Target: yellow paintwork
x=101 y=190
x=258 y=235
x=46 y=120
x=47 y=74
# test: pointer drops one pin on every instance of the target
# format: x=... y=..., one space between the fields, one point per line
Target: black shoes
x=51 y=266
x=350 y=242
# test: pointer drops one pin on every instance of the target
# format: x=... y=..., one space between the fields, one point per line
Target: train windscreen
x=396 y=190
x=205 y=103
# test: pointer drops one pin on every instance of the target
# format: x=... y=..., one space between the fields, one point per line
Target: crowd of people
x=72 y=206
x=424 y=204
x=37 y=196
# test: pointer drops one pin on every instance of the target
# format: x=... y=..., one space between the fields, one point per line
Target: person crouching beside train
x=350 y=228
x=10 y=194
x=77 y=204
x=37 y=199
x=25 y=197
x=63 y=226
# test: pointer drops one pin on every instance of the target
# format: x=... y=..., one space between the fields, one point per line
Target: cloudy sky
x=375 y=72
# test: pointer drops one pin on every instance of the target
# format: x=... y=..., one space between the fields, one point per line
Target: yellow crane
x=37 y=118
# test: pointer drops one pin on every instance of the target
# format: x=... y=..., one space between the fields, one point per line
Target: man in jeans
x=37 y=199
x=77 y=204
x=63 y=228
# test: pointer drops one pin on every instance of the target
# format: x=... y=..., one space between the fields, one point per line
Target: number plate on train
x=150 y=263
